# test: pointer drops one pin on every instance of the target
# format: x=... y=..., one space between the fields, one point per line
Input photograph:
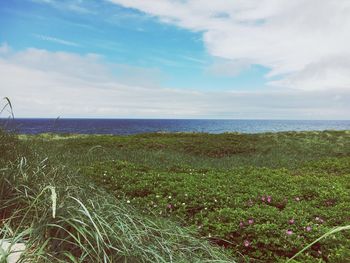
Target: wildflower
x=263 y=198
x=241 y=224
x=318 y=219
x=250 y=221
x=289 y=232
x=183 y=204
x=246 y=243
x=169 y=196
x=128 y=201
x=269 y=198
x=297 y=199
x=308 y=228
x=291 y=221
x=169 y=206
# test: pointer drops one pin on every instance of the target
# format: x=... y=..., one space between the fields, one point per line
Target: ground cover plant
x=62 y=216
x=263 y=197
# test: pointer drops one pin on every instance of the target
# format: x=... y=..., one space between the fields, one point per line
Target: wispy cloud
x=73 y=5
x=57 y=40
x=4 y=49
x=193 y=59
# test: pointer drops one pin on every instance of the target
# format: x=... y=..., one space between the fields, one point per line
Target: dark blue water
x=134 y=126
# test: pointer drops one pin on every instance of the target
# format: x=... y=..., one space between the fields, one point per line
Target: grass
x=164 y=197
x=63 y=217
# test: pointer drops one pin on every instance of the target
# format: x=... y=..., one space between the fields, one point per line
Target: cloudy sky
x=250 y=59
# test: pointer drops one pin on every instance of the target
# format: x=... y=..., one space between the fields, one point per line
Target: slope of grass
x=200 y=151
x=263 y=197
x=61 y=216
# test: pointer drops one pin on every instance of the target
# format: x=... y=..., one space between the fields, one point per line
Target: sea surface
x=135 y=126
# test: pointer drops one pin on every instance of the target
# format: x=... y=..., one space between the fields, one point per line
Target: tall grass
x=63 y=218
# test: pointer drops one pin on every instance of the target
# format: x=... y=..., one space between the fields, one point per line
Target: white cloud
x=41 y=83
x=295 y=39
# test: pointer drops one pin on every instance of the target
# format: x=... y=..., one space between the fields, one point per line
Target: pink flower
x=169 y=206
x=291 y=222
x=250 y=221
x=241 y=224
x=318 y=219
x=269 y=198
x=246 y=243
x=263 y=198
x=289 y=232
x=308 y=228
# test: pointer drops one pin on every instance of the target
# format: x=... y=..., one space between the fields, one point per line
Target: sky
x=222 y=59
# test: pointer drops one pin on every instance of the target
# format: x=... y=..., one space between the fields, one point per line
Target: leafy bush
x=268 y=214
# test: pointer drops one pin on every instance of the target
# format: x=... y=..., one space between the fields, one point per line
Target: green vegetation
x=159 y=197
x=61 y=216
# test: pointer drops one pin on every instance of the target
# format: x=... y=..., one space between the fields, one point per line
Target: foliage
x=61 y=216
x=263 y=197
x=263 y=213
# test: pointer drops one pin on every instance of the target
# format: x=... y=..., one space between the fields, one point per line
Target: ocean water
x=135 y=126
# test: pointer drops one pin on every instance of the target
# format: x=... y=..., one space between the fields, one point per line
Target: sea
x=137 y=126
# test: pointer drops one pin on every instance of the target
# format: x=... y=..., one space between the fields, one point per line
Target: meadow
x=178 y=197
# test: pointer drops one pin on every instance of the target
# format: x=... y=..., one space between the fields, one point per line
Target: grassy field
x=262 y=197
x=60 y=215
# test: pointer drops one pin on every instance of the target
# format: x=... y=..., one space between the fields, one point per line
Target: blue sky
x=176 y=59
x=121 y=35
